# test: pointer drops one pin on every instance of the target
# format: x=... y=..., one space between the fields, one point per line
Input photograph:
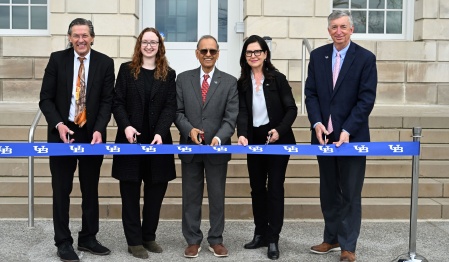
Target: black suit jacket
x=128 y=109
x=352 y=99
x=281 y=108
x=56 y=92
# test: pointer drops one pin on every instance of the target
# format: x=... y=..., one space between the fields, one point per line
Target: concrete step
x=239 y=208
x=239 y=187
x=401 y=168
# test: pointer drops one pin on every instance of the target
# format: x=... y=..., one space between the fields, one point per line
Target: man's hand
x=63 y=131
x=157 y=140
x=344 y=138
x=215 y=142
x=96 y=138
x=320 y=130
x=194 y=135
x=242 y=141
x=130 y=133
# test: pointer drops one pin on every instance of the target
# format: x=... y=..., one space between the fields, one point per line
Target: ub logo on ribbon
x=41 y=149
x=291 y=149
x=362 y=149
x=326 y=149
x=5 y=150
x=256 y=148
x=184 y=149
x=113 y=149
x=396 y=149
x=77 y=149
x=220 y=148
x=148 y=149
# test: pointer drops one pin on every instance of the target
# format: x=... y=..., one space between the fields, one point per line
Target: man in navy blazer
x=338 y=113
x=58 y=99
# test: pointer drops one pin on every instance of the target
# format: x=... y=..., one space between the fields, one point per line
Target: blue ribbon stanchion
x=348 y=149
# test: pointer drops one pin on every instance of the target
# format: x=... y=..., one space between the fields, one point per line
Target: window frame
x=29 y=31
x=408 y=21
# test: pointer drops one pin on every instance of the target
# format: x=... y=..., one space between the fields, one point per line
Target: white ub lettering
x=291 y=149
x=256 y=148
x=361 y=149
x=220 y=148
x=5 y=150
x=149 y=149
x=396 y=149
x=77 y=149
x=184 y=149
x=113 y=149
x=326 y=149
x=41 y=150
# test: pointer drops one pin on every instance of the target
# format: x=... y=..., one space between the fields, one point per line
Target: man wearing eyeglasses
x=76 y=99
x=207 y=113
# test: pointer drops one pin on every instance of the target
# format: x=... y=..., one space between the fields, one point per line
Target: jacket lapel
x=139 y=85
x=195 y=82
x=328 y=68
x=92 y=68
x=69 y=74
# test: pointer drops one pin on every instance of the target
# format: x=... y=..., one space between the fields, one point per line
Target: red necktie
x=335 y=73
x=204 y=87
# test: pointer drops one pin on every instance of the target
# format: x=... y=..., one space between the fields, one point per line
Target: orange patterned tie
x=80 y=96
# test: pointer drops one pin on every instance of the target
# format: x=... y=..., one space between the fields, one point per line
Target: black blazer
x=128 y=110
x=56 y=92
x=281 y=108
x=352 y=99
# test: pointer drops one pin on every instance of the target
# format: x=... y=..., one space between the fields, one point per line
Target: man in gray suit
x=207 y=113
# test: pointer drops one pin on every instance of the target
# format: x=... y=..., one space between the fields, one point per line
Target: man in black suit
x=76 y=99
x=339 y=103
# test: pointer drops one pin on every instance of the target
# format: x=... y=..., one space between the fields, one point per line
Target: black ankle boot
x=258 y=241
x=273 y=251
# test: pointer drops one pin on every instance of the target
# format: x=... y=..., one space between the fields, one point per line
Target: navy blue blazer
x=352 y=99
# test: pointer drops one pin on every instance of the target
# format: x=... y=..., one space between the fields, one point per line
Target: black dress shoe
x=258 y=241
x=94 y=247
x=66 y=253
x=273 y=251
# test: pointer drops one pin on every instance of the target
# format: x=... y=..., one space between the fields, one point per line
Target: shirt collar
x=342 y=52
x=211 y=73
x=86 y=57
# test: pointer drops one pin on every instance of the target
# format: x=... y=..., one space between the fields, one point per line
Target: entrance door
x=183 y=22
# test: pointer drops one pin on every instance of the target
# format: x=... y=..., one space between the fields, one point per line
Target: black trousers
x=267 y=176
x=135 y=231
x=62 y=172
x=341 y=183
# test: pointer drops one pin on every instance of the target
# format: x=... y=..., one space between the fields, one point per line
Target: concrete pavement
x=379 y=241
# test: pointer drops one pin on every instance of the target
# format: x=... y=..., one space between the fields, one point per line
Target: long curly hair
x=162 y=67
x=245 y=72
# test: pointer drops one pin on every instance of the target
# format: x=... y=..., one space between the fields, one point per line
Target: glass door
x=183 y=22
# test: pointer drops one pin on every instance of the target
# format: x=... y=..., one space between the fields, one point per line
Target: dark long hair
x=162 y=68
x=245 y=73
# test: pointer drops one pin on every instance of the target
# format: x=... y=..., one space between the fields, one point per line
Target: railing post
x=31 y=171
x=305 y=47
x=412 y=256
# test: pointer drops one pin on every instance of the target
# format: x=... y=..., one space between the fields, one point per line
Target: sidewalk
x=380 y=241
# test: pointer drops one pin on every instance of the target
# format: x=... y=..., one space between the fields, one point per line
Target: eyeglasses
x=151 y=43
x=255 y=52
x=211 y=51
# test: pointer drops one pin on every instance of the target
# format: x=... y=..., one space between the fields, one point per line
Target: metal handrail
x=305 y=47
x=37 y=117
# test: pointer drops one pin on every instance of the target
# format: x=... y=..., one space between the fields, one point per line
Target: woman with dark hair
x=266 y=114
x=144 y=108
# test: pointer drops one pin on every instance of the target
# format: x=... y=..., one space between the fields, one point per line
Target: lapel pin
x=326 y=57
x=216 y=82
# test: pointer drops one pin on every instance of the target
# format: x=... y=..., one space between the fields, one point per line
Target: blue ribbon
x=348 y=149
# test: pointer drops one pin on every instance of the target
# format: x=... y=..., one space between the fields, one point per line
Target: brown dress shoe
x=347 y=256
x=192 y=251
x=219 y=250
x=325 y=248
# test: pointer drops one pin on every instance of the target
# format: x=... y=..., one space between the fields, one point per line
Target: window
x=379 y=19
x=177 y=20
x=24 y=17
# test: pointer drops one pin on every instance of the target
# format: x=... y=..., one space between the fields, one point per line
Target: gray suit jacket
x=216 y=117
